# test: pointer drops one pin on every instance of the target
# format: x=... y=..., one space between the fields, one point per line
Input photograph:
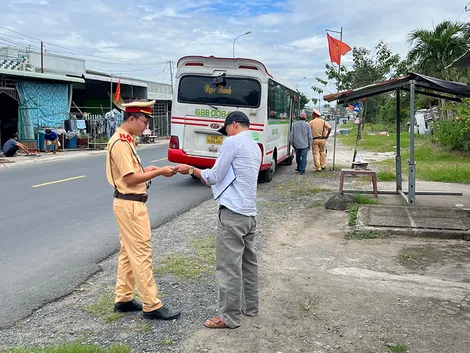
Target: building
x=39 y=91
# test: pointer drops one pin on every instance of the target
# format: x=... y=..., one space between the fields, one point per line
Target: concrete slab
x=417 y=221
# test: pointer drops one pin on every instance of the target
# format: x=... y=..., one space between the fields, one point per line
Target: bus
x=208 y=89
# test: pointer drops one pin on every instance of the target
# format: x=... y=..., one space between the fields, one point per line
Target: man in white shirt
x=236 y=262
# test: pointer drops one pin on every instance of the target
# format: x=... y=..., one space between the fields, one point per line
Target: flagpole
x=337 y=88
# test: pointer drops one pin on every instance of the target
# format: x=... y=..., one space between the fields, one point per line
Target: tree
x=303 y=100
x=433 y=50
x=367 y=69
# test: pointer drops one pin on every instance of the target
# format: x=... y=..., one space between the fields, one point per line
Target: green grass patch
x=433 y=162
x=191 y=266
x=104 y=307
x=316 y=204
x=165 y=341
x=358 y=235
x=386 y=176
x=145 y=327
x=365 y=200
x=75 y=348
x=399 y=348
x=353 y=209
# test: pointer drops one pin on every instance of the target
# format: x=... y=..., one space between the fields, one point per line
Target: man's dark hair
x=135 y=115
x=246 y=125
x=15 y=135
x=48 y=131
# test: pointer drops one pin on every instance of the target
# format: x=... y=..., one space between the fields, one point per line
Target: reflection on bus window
x=237 y=92
x=279 y=101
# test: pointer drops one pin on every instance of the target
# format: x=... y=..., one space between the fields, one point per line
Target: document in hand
x=221 y=186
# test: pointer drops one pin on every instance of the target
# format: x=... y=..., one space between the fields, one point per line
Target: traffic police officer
x=131 y=181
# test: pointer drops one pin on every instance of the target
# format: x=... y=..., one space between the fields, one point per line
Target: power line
x=464 y=9
x=72 y=50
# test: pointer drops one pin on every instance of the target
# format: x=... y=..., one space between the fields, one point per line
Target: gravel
x=66 y=320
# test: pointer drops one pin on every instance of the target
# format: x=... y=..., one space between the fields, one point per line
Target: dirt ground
x=319 y=292
x=323 y=293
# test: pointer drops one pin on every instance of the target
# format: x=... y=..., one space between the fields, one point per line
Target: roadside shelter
x=415 y=84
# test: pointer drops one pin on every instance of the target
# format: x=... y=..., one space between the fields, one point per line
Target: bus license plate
x=214 y=139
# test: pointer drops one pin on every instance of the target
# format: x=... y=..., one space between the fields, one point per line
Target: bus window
x=279 y=101
x=237 y=92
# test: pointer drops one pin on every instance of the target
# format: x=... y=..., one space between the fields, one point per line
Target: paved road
x=52 y=236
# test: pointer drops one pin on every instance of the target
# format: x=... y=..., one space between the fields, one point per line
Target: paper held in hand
x=221 y=186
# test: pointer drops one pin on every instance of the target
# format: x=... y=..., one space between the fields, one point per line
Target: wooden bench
x=367 y=172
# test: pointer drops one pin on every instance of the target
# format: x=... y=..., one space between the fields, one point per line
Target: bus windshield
x=236 y=92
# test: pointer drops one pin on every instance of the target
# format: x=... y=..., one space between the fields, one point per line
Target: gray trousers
x=236 y=266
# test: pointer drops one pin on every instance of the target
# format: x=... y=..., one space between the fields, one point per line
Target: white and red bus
x=208 y=89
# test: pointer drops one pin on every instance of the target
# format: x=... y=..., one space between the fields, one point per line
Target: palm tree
x=433 y=50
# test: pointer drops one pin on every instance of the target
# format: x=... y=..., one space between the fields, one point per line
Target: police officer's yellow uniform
x=135 y=257
x=319 y=131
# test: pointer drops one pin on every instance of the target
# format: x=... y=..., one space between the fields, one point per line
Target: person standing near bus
x=236 y=261
x=301 y=138
x=131 y=180
x=320 y=132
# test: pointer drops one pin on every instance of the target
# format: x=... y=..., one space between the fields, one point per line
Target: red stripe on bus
x=210 y=121
x=177 y=122
x=193 y=124
x=268 y=153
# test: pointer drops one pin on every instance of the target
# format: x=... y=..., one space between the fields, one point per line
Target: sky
x=138 y=38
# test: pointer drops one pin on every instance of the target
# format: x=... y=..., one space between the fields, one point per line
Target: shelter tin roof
x=454 y=90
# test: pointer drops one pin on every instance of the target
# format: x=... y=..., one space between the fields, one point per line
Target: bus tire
x=267 y=175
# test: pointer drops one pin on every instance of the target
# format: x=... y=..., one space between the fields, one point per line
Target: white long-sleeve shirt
x=244 y=155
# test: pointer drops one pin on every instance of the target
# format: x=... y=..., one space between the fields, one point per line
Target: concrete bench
x=366 y=172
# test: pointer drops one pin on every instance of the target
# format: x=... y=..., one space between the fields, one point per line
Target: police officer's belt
x=131 y=197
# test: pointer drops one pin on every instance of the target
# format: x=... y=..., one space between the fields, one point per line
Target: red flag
x=117 y=95
x=336 y=49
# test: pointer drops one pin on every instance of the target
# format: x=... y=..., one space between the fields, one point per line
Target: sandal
x=215 y=322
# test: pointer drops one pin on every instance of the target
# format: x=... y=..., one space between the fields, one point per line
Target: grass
x=356 y=235
x=399 y=348
x=104 y=307
x=75 y=348
x=165 y=341
x=353 y=209
x=145 y=327
x=410 y=257
x=365 y=200
x=433 y=162
x=191 y=266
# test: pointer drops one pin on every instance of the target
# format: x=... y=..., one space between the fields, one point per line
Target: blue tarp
x=41 y=105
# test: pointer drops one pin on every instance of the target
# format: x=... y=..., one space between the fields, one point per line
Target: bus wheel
x=268 y=174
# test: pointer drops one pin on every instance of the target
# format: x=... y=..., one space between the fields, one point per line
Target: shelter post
x=411 y=161
x=398 y=175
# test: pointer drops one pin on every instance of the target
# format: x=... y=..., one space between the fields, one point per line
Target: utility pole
x=172 y=92
x=171 y=74
x=42 y=56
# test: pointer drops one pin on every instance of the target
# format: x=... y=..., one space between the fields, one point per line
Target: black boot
x=164 y=313
x=125 y=307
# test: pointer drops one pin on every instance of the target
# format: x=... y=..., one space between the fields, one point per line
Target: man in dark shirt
x=12 y=146
x=51 y=138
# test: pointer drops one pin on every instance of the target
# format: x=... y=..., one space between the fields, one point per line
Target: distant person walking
x=320 y=132
x=301 y=139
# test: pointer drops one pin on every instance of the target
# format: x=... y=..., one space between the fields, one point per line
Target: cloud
x=288 y=36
